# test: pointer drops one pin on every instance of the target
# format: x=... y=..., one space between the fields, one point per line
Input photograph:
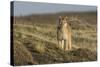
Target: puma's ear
x=60 y=17
x=66 y=17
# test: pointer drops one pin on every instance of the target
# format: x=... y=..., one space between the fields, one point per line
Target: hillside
x=35 y=39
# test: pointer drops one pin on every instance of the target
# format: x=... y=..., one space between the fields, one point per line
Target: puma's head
x=63 y=21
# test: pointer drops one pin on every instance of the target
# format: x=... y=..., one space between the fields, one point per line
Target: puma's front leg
x=60 y=44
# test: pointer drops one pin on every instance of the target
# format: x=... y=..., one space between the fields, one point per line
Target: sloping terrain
x=35 y=39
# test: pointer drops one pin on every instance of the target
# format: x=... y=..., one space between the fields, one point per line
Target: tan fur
x=64 y=33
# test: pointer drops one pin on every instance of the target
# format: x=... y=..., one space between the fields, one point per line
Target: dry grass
x=36 y=35
x=22 y=55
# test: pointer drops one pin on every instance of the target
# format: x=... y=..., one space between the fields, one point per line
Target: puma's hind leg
x=69 y=44
x=65 y=45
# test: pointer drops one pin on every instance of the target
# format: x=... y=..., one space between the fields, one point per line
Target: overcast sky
x=26 y=8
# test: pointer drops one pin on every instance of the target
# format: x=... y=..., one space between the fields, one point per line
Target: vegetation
x=35 y=39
